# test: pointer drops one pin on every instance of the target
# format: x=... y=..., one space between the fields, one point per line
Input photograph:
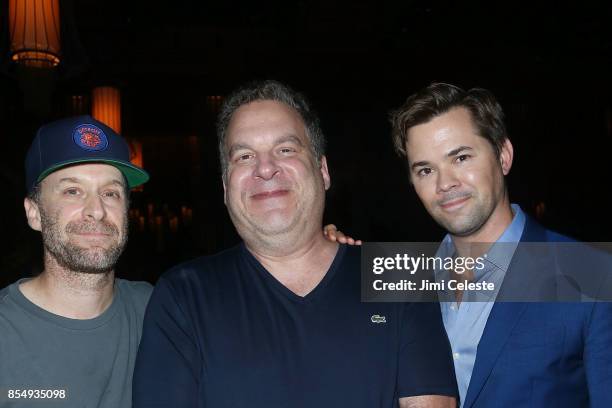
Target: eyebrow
x=76 y=180
x=452 y=153
x=236 y=147
x=69 y=180
x=289 y=138
x=118 y=183
x=282 y=139
x=458 y=150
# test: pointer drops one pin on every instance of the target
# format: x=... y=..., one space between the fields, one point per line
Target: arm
x=331 y=233
x=168 y=361
x=427 y=401
x=426 y=376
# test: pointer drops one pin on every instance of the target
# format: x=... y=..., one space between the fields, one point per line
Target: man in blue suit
x=506 y=354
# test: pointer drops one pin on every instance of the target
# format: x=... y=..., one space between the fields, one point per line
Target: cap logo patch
x=90 y=137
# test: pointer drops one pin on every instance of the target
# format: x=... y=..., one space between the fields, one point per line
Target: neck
x=478 y=242
x=298 y=267
x=68 y=293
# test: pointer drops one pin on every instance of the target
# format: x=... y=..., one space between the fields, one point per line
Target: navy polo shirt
x=221 y=331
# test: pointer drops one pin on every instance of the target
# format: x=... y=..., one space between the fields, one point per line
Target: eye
x=72 y=192
x=111 y=194
x=424 y=172
x=462 y=158
x=287 y=150
x=244 y=157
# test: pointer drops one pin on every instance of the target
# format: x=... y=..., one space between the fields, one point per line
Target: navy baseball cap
x=75 y=140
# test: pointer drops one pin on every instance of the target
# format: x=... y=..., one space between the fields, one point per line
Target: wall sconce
x=34 y=27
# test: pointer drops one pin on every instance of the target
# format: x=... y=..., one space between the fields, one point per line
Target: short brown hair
x=439 y=98
x=269 y=90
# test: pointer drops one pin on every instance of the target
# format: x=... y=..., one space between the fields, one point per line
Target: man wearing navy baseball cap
x=70 y=335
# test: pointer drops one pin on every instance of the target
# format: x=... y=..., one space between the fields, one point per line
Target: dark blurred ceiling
x=221 y=40
x=179 y=51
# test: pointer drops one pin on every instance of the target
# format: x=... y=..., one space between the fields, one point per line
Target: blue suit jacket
x=543 y=354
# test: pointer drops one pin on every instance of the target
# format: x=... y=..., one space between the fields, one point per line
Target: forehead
x=260 y=120
x=444 y=132
x=94 y=173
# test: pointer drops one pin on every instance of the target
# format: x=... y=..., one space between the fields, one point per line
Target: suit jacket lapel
x=504 y=316
x=502 y=320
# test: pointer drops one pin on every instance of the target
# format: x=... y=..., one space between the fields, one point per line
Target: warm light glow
x=135 y=152
x=34 y=27
x=106 y=106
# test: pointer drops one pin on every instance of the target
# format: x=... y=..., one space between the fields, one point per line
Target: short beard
x=76 y=258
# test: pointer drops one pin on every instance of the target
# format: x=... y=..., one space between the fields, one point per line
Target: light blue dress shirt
x=465 y=323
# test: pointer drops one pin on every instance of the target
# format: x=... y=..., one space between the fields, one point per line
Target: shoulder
x=585 y=265
x=139 y=290
x=205 y=270
x=133 y=295
x=352 y=250
x=187 y=287
x=536 y=232
x=349 y=254
x=553 y=236
x=4 y=292
x=348 y=261
x=6 y=296
x=11 y=312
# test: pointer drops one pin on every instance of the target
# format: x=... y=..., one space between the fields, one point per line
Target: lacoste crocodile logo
x=378 y=319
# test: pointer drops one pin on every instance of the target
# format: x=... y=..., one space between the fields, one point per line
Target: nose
x=446 y=181
x=94 y=207
x=266 y=167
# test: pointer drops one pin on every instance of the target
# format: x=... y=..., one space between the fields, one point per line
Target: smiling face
x=82 y=214
x=458 y=177
x=274 y=185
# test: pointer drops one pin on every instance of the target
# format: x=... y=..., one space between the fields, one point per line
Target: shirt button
x=453 y=307
x=456 y=355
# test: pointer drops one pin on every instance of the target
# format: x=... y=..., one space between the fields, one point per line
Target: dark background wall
x=548 y=63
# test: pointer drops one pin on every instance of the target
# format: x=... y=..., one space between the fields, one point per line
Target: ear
x=32 y=214
x=505 y=156
x=325 y=173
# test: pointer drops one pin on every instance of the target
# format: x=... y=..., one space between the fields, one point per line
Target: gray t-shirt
x=51 y=361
